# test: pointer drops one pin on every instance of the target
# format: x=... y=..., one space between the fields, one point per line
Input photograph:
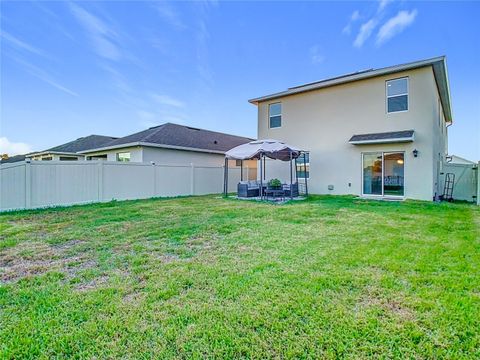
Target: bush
x=275 y=183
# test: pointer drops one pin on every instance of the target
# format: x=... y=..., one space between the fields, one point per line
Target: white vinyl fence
x=36 y=184
x=467 y=185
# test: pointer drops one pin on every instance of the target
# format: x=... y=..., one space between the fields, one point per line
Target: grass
x=206 y=277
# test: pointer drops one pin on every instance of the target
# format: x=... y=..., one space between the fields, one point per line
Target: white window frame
x=382 y=195
x=270 y=116
x=407 y=93
x=123 y=152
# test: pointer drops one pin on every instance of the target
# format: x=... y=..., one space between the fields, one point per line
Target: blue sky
x=70 y=69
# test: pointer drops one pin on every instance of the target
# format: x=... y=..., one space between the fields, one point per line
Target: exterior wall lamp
x=415 y=153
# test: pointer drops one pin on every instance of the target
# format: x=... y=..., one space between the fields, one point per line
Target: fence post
x=1 y=187
x=28 y=184
x=100 y=180
x=478 y=183
x=192 y=178
x=154 y=179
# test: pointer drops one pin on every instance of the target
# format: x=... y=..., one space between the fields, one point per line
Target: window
x=68 y=158
x=47 y=158
x=302 y=165
x=275 y=115
x=397 y=95
x=97 y=157
x=238 y=162
x=383 y=174
x=123 y=156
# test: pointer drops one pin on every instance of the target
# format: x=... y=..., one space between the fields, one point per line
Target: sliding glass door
x=372 y=174
x=393 y=174
x=383 y=173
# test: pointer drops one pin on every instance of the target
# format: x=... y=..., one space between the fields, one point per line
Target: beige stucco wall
x=162 y=156
x=181 y=157
x=322 y=122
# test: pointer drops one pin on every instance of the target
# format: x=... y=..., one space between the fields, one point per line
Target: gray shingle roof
x=386 y=137
x=182 y=136
x=13 y=159
x=83 y=143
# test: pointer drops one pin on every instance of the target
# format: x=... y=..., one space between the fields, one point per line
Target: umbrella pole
x=305 y=172
x=225 y=178
x=241 y=170
x=291 y=177
x=264 y=168
x=261 y=178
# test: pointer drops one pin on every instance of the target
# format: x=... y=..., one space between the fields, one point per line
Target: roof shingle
x=83 y=143
x=182 y=136
x=387 y=137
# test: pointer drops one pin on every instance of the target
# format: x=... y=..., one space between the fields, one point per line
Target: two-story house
x=375 y=133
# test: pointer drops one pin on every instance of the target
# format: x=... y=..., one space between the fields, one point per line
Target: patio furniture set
x=260 y=150
x=255 y=188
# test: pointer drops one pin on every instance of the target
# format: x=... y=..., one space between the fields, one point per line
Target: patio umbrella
x=273 y=149
x=258 y=150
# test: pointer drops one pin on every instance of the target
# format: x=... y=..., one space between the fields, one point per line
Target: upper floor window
x=397 y=95
x=123 y=156
x=275 y=115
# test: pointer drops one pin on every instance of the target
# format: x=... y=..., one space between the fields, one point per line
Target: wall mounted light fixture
x=415 y=153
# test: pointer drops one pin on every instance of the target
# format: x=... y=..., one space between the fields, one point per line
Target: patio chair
x=249 y=188
x=294 y=190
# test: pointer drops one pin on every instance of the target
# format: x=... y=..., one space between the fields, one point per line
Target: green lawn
x=207 y=277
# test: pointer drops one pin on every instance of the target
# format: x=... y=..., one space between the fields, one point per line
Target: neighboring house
x=374 y=133
x=171 y=144
x=70 y=151
x=12 y=159
x=454 y=159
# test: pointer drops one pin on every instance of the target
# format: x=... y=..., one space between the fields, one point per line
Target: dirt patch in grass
x=92 y=284
x=36 y=258
x=68 y=244
x=134 y=297
x=372 y=298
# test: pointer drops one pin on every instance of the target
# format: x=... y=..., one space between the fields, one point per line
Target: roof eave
x=444 y=93
x=147 y=144
x=382 y=141
x=41 y=153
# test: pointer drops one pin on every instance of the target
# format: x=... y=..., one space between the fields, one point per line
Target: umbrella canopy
x=273 y=149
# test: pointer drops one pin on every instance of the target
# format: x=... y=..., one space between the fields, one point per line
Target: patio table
x=275 y=193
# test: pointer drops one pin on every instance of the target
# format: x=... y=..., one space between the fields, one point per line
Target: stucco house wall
x=323 y=120
x=171 y=156
x=160 y=156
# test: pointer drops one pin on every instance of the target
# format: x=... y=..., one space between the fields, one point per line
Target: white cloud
x=13 y=148
x=44 y=76
x=167 y=100
x=365 y=31
x=395 y=25
x=22 y=44
x=354 y=17
x=168 y=13
x=146 y=115
x=383 y=4
x=101 y=35
x=315 y=56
